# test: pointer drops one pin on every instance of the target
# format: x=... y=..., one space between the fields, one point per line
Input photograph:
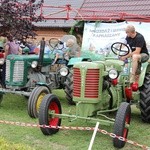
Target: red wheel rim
x=125 y=131
x=53 y=107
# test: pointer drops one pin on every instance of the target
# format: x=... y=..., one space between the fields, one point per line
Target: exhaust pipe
x=42 y=47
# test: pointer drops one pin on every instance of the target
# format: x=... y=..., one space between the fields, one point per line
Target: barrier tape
x=144 y=147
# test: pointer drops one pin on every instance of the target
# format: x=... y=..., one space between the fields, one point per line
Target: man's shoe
x=132 y=78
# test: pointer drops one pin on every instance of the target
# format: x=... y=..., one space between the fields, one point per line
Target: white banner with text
x=98 y=37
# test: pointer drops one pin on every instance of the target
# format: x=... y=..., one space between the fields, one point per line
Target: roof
x=63 y=13
x=140 y=7
x=134 y=10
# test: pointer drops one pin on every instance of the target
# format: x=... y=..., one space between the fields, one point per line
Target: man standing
x=139 y=52
x=10 y=48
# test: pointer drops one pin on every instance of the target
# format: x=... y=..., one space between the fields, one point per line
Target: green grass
x=14 y=108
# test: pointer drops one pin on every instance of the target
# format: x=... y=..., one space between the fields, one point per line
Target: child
x=64 y=52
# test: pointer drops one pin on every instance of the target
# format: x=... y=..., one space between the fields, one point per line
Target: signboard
x=98 y=37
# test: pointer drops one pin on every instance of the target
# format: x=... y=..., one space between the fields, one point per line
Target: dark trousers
x=3 y=74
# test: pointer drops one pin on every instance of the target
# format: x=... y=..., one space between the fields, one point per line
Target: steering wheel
x=56 y=44
x=120 y=49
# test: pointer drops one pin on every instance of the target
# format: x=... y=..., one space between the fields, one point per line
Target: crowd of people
x=9 y=45
x=12 y=46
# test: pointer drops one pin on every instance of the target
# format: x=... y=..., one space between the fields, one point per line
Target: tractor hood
x=29 y=58
x=117 y=64
x=105 y=65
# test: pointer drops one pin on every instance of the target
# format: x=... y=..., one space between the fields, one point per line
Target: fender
x=43 y=84
x=146 y=69
x=75 y=60
x=113 y=91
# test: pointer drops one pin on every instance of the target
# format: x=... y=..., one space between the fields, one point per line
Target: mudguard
x=146 y=69
x=43 y=84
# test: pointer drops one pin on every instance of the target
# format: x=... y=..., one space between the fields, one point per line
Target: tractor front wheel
x=69 y=88
x=145 y=99
x=122 y=118
x=35 y=100
x=48 y=108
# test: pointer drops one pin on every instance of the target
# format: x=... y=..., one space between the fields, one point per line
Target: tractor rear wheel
x=50 y=104
x=123 y=117
x=145 y=99
x=1 y=98
x=35 y=100
x=69 y=88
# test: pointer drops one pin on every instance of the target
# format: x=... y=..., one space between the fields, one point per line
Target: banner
x=98 y=37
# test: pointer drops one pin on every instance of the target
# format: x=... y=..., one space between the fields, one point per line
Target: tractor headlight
x=64 y=71
x=113 y=74
x=34 y=64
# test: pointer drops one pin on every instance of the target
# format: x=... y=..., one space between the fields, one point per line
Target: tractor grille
x=18 y=71
x=7 y=70
x=76 y=82
x=92 y=83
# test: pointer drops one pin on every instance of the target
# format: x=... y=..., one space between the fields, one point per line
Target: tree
x=17 y=18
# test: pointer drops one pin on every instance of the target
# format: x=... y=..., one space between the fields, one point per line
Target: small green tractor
x=33 y=76
x=101 y=87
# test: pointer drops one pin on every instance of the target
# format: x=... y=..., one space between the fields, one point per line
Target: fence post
x=93 y=136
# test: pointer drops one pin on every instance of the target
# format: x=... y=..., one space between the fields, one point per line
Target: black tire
x=123 y=116
x=69 y=88
x=1 y=98
x=50 y=103
x=1 y=95
x=145 y=99
x=35 y=100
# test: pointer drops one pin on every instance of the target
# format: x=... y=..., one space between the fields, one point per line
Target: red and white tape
x=144 y=147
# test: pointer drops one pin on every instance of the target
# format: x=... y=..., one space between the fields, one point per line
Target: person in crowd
x=30 y=43
x=139 y=52
x=2 y=43
x=46 y=49
x=10 y=47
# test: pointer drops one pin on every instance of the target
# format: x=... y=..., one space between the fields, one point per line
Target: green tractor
x=101 y=87
x=33 y=76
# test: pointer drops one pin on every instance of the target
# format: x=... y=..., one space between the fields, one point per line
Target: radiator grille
x=92 y=83
x=76 y=82
x=18 y=71
x=7 y=70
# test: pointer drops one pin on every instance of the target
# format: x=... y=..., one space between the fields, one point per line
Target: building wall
x=48 y=33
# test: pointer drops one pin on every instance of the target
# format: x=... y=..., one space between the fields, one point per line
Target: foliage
x=77 y=31
x=16 y=18
x=5 y=145
x=77 y=28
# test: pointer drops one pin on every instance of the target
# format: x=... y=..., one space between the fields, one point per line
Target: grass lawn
x=14 y=108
